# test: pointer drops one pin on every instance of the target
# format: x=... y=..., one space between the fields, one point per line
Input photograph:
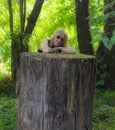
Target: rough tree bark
x=83 y=28
x=55 y=91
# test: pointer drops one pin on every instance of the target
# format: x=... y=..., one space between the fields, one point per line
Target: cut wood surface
x=55 y=91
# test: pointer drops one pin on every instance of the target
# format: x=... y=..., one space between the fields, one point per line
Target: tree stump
x=55 y=91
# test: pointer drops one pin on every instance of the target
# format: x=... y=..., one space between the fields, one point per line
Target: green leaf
x=103 y=76
x=100 y=82
x=113 y=13
x=107 y=6
x=96 y=31
x=105 y=17
x=107 y=42
x=103 y=66
x=96 y=40
x=112 y=40
x=113 y=32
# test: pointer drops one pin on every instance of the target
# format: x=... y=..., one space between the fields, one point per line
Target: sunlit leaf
x=96 y=40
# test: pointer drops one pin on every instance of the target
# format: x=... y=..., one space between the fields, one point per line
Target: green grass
x=104 y=110
x=8 y=110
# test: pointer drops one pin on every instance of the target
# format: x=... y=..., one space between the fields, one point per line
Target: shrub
x=6 y=84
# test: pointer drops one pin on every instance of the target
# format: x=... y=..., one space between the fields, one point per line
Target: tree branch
x=10 y=15
x=33 y=16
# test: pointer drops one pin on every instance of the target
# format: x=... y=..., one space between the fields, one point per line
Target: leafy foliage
x=20 y=39
x=97 y=22
x=8 y=110
x=101 y=72
x=54 y=15
x=104 y=110
x=6 y=84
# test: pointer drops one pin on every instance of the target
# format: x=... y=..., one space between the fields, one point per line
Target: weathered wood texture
x=55 y=91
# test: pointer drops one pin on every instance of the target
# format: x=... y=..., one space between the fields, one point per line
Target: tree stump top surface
x=58 y=55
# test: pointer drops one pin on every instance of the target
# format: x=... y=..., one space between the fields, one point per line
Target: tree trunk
x=15 y=58
x=108 y=56
x=55 y=91
x=22 y=14
x=10 y=15
x=27 y=31
x=83 y=29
